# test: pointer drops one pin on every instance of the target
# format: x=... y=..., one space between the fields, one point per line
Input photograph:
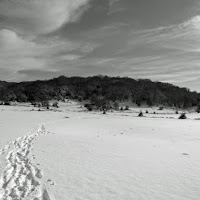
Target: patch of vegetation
x=140 y=114
x=102 y=91
x=183 y=116
x=198 y=108
x=126 y=107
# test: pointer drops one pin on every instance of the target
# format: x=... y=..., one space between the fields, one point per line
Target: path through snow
x=21 y=178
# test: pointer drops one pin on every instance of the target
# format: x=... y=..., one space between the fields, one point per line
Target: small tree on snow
x=140 y=114
x=183 y=116
x=55 y=104
x=127 y=108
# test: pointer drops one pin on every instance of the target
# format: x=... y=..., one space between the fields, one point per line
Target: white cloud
x=17 y=53
x=10 y=41
x=39 y=16
x=112 y=2
x=115 y=7
x=184 y=37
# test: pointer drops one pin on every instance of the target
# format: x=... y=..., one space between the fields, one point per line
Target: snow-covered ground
x=71 y=154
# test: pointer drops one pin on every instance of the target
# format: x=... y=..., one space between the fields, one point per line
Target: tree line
x=100 y=91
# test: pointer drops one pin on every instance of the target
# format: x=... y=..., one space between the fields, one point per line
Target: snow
x=70 y=153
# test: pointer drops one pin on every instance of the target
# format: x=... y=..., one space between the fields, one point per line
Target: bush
x=80 y=98
x=39 y=105
x=141 y=114
x=121 y=108
x=45 y=104
x=89 y=108
x=55 y=104
x=127 y=108
x=7 y=103
x=147 y=111
x=198 y=108
x=116 y=106
x=161 y=108
x=34 y=104
x=183 y=116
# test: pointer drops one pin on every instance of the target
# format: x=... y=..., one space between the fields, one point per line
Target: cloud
x=34 y=74
x=112 y=2
x=115 y=7
x=167 y=53
x=184 y=37
x=39 y=16
x=19 y=54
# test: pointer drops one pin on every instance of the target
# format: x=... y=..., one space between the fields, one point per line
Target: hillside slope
x=100 y=90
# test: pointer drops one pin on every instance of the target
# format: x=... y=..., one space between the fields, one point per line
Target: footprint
x=38 y=173
x=185 y=154
x=50 y=182
x=20 y=177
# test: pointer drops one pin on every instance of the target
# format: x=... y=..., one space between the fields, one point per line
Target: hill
x=100 y=90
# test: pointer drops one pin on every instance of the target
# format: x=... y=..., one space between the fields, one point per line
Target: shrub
x=147 y=111
x=116 y=106
x=80 y=98
x=140 y=114
x=127 y=108
x=7 y=103
x=45 y=104
x=39 y=105
x=89 y=107
x=198 y=108
x=34 y=104
x=183 y=116
x=55 y=104
x=161 y=108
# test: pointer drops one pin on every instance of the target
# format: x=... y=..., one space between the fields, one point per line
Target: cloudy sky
x=154 y=39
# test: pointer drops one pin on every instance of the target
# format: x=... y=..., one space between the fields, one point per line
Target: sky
x=156 y=39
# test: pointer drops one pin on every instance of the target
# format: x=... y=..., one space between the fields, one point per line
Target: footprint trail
x=21 y=178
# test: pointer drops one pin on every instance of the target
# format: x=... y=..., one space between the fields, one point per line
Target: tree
x=140 y=114
x=183 y=116
x=55 y=104
x=101 y=91
x=198 y=108
x=127 y=108
x=116 y=106
x=46 y=104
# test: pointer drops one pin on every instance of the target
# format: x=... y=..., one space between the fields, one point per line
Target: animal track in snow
x=6 y=147
x=21 y=178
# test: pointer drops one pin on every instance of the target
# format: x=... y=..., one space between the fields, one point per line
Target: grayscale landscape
x=99 y=100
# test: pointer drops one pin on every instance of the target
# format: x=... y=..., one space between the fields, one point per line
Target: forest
x=100 y=91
